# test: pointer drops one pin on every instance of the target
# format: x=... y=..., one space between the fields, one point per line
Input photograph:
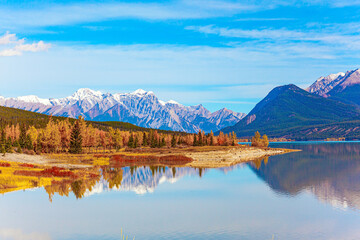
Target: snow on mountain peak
x=141 y=92
x=173 y=102
x=85 y=93
x=34 y=99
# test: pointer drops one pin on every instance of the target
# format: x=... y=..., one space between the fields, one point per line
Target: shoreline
x=201 y=157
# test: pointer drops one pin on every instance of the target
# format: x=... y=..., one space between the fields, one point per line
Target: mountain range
x=330 y=107
x=140 y=107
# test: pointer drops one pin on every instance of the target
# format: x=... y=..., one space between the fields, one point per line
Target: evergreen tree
x=76 y=139
x=200 y=140
x=173 y=141
x=38 y=144
x=22 y=137
x=18 y=147
x=28 y=143
x=211 y=138
x=3 y=142
x=145 y=140
x=131 y=141
x=136 y=142
x=8 y=145
x=195 y=140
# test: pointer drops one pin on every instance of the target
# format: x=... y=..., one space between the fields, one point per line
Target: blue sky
x=221 y=53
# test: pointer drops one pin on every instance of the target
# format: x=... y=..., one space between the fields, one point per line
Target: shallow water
x=312 y=194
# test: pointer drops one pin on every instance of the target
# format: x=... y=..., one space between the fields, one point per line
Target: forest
x=62 y=135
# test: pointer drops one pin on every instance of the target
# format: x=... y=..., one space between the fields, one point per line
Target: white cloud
x=8 y=38
x=10 y=45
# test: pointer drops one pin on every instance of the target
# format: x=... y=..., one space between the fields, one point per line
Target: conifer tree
x=163 y=143
x=195 y=140
x=22 y=137
x=76 y=139
x=211 y=138
x=173 y=141
x=3 y=142
x=131 y=141
x=8 y=145
x=18 y=147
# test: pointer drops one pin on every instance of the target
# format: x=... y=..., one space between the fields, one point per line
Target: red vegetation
x=27 y=165
x=49 y=172
x=4 y=164
x=122 y=160
x=92 y=175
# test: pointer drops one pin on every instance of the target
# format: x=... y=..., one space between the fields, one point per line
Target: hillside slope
x=39 y=120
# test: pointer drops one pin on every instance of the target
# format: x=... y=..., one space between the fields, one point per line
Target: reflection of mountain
x=145 y=179
x=330 y=171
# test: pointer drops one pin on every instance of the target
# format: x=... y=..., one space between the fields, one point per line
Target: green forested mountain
x=291 y=112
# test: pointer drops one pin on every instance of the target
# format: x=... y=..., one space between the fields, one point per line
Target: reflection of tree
x=62 y=188
x=113 y=176
x=78 y=189
x=173 y=170
x=200 y=172
x=257 y=163
x=77 y=186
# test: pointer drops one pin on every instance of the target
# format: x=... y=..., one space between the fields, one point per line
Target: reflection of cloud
x=17 y=234
x=12 y=46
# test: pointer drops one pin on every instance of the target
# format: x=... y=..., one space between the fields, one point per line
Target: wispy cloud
x=10 y=45
x=75 y=13
x=51 y=14
x=264 y=19
x=331 y=39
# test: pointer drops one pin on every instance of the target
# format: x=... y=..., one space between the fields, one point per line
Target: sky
x=219 y=53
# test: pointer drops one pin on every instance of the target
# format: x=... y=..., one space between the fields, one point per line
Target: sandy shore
x=43 y=160
x=203 y=157
x=233 y=156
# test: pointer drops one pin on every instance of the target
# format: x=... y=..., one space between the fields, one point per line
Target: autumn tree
x=257 y=141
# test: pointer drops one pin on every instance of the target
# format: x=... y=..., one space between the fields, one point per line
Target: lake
x=312 y=194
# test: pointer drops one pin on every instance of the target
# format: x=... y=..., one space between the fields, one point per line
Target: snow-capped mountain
x=140 y=107
x=344 y=87
x=324 y=84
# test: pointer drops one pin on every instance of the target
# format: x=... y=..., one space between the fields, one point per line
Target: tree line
x=79 y=136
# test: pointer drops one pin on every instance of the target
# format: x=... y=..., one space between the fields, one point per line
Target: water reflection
x=329 y=171
x=86 y=182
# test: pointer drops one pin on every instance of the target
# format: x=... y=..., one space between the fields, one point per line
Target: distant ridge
x=141 y=108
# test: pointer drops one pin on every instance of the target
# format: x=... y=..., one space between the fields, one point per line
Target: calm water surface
x=313 y=194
